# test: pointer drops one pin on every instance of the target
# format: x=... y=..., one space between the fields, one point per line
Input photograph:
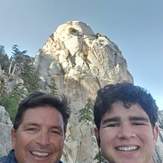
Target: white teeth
x=40 y=154
x=127 y=148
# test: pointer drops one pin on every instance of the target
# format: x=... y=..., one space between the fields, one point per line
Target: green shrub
x=10 y=103
x=99 y=158
x=86 y=113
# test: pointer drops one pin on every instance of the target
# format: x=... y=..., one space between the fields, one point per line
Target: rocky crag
x=77 y=62
x=80 y=62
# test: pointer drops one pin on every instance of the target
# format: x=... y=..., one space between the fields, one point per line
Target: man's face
x=126 y=135
x=40 y=136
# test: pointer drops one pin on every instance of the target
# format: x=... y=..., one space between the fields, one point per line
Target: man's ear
x=96 y=131
x=13 y=137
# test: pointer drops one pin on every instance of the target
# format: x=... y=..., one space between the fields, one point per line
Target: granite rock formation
x=80 y=62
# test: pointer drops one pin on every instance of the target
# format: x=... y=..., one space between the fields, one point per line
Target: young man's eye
x=138 y=123
x=112 y=125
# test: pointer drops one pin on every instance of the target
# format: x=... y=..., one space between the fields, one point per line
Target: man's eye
x=32 y=129
x=56 y=132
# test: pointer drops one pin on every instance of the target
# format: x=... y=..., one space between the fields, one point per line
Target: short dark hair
x=128 y=94
x=37 y=99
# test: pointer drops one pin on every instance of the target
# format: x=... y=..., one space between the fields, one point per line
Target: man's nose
x=43 y=138
x=126 y=131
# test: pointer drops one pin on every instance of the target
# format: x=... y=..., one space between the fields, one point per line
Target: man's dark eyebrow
x=114 y=119
x=31 y=124
x=37 y=125
x=139 y=119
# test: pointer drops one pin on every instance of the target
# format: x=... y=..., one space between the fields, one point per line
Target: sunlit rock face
x=82 y=54
x=81 y=62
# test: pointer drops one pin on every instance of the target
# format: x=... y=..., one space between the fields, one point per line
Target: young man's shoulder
x=3 y=159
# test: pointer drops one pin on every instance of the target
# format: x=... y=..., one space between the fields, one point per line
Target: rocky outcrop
x=80 y=61
x=81 y=54
x=5 y=128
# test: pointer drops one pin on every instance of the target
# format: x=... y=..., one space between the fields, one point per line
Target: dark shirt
x=10 y=158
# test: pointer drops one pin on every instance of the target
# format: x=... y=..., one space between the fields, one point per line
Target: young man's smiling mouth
x=127 y=148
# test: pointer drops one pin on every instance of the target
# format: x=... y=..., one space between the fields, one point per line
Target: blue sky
x=136 y=26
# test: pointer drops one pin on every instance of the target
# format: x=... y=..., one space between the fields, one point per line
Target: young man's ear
x=96 y=131
x=13 y=137
x=155 y=133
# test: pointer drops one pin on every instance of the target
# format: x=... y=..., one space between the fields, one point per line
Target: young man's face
x=40 y=136
x=126 y=135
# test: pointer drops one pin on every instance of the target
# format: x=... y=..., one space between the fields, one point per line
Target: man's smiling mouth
x=40 y=154
x=127 y=148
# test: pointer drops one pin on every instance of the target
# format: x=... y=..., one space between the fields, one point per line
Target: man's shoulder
x=10 y=158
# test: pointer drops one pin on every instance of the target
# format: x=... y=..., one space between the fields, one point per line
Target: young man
x=125 y=116
x=39 y=130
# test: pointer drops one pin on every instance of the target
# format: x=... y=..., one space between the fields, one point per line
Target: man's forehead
x=41 y=109
x=37 y=115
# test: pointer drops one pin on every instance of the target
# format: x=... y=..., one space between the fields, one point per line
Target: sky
x=136 y=26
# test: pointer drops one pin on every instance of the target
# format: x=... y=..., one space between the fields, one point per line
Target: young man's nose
x=125 y=131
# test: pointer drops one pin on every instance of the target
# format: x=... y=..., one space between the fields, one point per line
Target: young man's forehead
x=120 y=118
x=117 y=109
